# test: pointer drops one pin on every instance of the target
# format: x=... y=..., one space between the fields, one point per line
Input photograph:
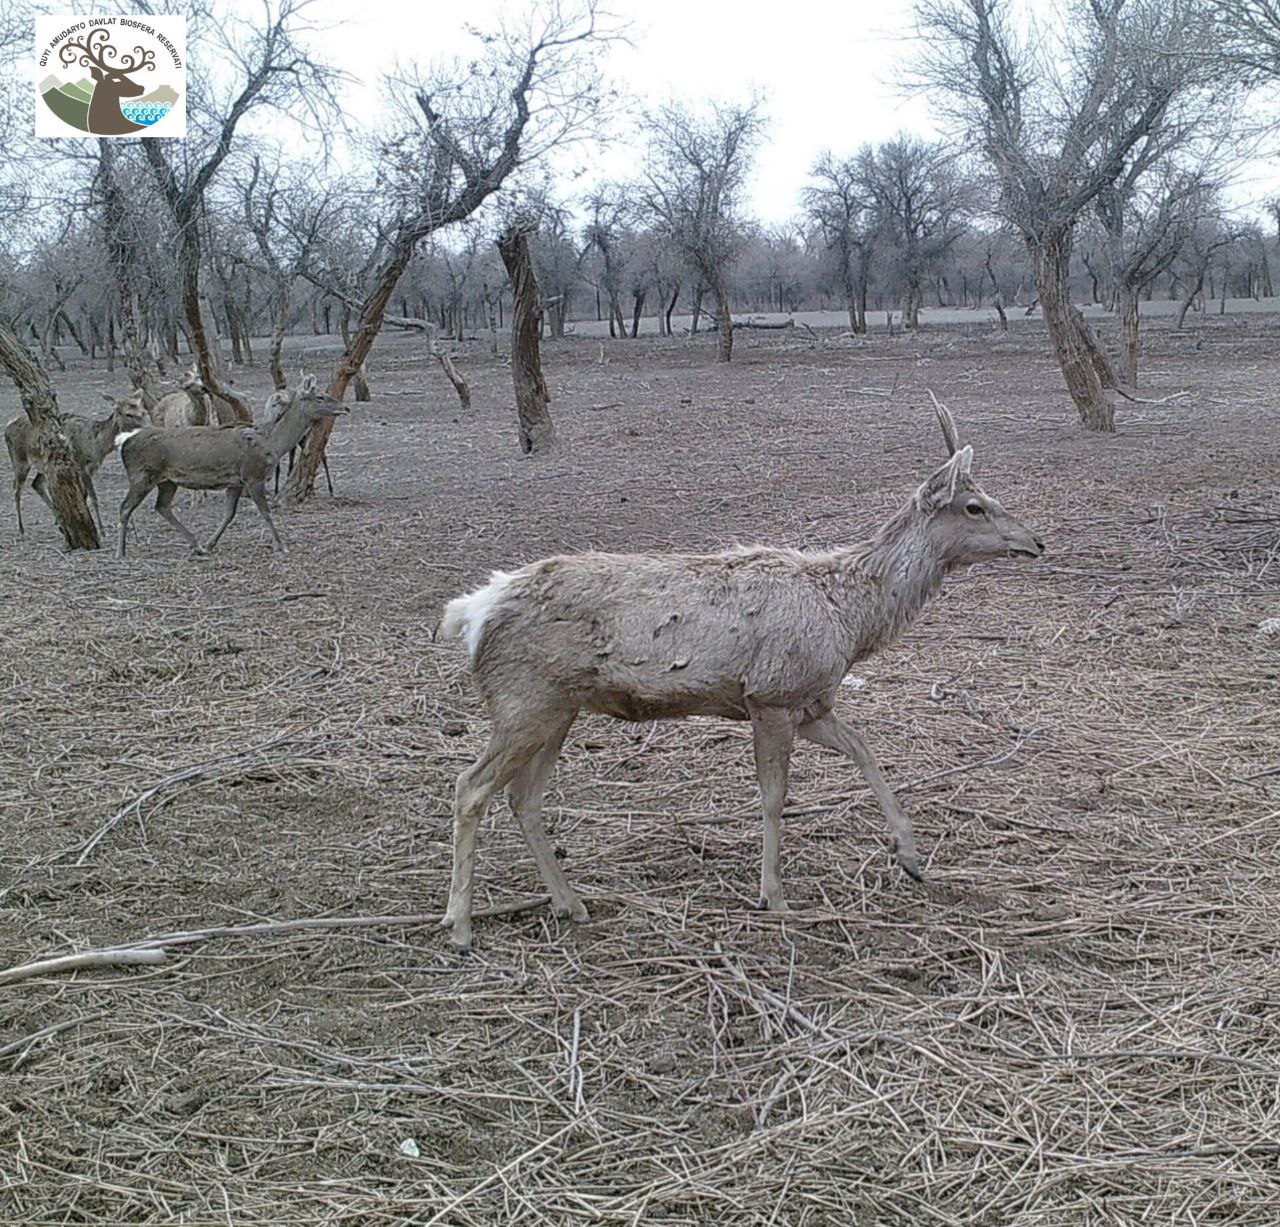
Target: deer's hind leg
x=525 y=793
x=164 y=508
x=511 y=746
x=132 y=500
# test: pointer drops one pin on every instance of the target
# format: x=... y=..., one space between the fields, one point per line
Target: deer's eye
x=975 y=509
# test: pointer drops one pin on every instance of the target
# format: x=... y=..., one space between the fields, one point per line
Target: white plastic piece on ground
x=1269 y=626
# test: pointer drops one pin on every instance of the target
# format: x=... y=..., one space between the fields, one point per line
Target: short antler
x=948 y=424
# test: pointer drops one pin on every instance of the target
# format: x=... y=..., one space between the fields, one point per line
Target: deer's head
x=191 y=381
x=315 y=405
x=127 y=412
x=965 y=523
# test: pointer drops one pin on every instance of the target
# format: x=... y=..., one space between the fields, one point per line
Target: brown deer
x=91 y=442
x=755 y=634
x=112 y=80
x=234 y=459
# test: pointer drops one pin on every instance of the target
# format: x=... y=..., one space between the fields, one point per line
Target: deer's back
x=643 y=637
x=197 y=457
x=176 y=410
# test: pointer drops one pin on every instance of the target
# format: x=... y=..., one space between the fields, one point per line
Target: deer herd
x=179 y=449
x=756 y=634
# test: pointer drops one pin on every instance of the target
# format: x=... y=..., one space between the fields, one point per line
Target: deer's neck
x=102 y=435
x=286 y=434
x=887 y=581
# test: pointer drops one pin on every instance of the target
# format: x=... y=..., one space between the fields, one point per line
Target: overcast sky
x=826 y=69
x=830 y=71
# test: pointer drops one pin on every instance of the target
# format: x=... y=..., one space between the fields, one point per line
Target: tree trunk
x=697 y=308
x=1185 y=305
x=537 y=434
x=635 y=317
x=671 y=306
x=850 y=292
x=1127 y=310
x=724 y=322
x=302 y=480
x=1073 y=344
x=360 y=383
x=66 y=484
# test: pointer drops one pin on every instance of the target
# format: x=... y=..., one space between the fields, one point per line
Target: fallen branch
x=22 y=1045
x=74 y=962
x=212 y=769
x=186 y=937
x=1146 y=400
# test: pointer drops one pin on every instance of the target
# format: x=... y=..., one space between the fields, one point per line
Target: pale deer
x=754 y=634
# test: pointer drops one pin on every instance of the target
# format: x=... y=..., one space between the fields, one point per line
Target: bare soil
x=1072 y=1022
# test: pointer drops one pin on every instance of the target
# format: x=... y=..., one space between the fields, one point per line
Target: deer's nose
x=1039 y=543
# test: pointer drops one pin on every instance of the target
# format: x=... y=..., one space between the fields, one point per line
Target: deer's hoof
x=571 y=909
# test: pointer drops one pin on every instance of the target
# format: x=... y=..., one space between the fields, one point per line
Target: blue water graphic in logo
x=145 y=113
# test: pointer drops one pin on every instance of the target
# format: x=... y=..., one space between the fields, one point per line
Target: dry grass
x=1071 y=1023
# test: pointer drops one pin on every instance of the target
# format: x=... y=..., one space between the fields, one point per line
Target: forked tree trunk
x=537 y=433
x=66 y=484
x=1185 y=305
x=1073 y=344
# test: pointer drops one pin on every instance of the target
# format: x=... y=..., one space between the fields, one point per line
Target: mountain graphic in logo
x=108 y=102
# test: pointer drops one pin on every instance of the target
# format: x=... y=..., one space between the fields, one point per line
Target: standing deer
x=234 y=459
x=277 y=403
x=757 y=634
x=185 y=407
x=111 y=80
x=91 y=442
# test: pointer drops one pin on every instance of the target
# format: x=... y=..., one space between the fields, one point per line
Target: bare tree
x=1208 y=237
x=609 y=209
x=557 y=257
x=1146 y=225
x=918 y=197
x=466 y=129
x=273 y=70
x=696 y=170
x=837 y=202
x=1058 y=121
x=286 y=210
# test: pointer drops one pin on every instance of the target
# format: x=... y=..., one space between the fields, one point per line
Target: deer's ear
x=940 y=487
x=96 y=73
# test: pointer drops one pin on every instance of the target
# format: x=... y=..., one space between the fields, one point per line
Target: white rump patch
x=465 y=616
x=124 y=436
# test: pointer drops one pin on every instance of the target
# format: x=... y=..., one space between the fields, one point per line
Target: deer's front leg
x=832 y=732
x=773 y=732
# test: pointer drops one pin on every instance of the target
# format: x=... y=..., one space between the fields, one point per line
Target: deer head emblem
x=111 y=80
